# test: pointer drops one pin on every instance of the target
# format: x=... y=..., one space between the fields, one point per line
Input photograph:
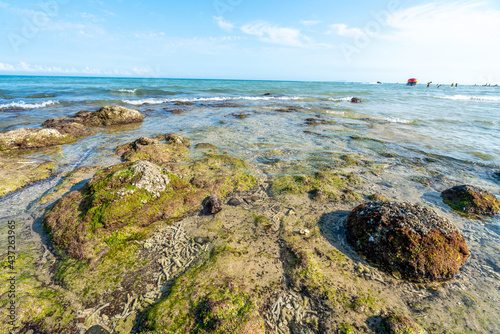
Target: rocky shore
x=180 y=237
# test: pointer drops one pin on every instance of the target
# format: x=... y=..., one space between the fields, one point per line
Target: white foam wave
x=471 y=97
x=124 y=90
x=24 y=105
x=213 y=99
x=397 y=120
x=341 y=99
x=333 y=112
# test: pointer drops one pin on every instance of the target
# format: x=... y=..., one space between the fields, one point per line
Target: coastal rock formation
x=407 y=237
x=104 y=116
x=173 y=138
x=356 y=100
x=151 y=149
x=66 y=130
x=470 y=199
x=122 y=200
x=26 y=138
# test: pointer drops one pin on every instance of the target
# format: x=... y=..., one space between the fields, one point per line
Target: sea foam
x=24 y=105
x=212 y=99
x=470 y=97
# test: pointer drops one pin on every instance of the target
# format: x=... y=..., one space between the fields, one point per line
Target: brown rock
x=213 y=205
x=409 y=238
x=470 y=199
x=356 y=100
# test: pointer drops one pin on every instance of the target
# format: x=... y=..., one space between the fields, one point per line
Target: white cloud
x=276 y=35
x=224 y=25
x=6 y=67
x=342 y=30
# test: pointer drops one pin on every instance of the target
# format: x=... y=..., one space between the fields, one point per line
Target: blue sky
x=357 y=40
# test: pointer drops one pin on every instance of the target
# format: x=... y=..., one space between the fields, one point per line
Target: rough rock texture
x=18 y=173
x=398 y=324
x=33 y=138
x=173 y=138
x=213 y=205
x=356 y=100
x=153 y=150
x=66 y=130
x=125 y=199
x=151 y=178
x=471 y=199
x=103 y=117
x=409 y=238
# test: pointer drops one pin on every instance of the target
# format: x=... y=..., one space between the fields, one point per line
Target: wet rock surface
x=409 y=238
x=213 y=205
x=471 y=199
x=395 y=324
x=153 y=150
x=66 y=130
x=355 y=100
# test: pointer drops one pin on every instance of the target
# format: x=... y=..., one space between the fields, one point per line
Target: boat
x=412 y=82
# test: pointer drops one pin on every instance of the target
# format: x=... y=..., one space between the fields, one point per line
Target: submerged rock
x=356 y=100
x=213 y=205
x=409 y=238
x=173 y=138
x=205 y=146
x=470 y=199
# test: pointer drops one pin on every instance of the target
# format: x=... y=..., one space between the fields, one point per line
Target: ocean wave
x=24 y=105
x=398 y=120
x=470 y=97
x=213 y=99
x=340 y=99
x=141 y=91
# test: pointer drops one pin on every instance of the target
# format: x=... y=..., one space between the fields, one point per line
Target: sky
x=315 y=40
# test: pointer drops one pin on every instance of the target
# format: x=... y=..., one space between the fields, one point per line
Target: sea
x=414 y=141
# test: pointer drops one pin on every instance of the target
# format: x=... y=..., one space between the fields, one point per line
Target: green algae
x=16 y=174
x=321 y=186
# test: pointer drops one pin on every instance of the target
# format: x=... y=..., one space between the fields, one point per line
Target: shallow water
x=443 y=136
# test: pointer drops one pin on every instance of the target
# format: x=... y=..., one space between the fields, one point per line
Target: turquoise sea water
x=413 y=141
x=461 y=123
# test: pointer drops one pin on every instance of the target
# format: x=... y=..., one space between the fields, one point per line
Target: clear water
x=452 y=134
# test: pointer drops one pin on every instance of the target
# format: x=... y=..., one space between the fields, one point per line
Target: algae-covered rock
x=173 y=138
x=470 y=199
x=18 y=173
x=213 y=205
x=399 y=324
x=109 y=116
x=205 y=146
x=25 y=138
x=153 y=150
x=407 y=237
x=132 y=196
x=321 y=186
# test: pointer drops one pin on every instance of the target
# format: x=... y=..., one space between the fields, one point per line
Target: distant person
x=439 y=86
x=428 y=84
x=456 y=84
x=452 y=84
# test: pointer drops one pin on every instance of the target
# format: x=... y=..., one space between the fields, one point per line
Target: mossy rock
x=34 y=138
x=378 y=198
x=153 y=150
x=16 y=174
x=321 y=186
x=206 y=146
x=470 y=199
x=132 y=196
x=407 y=237
x=399 y=324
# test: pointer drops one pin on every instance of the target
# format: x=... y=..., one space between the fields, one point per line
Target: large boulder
x=470 y=199
x=409 y=238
